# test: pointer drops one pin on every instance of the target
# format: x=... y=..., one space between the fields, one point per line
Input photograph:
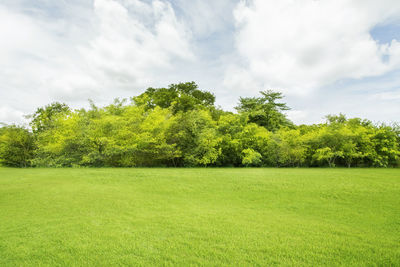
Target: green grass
x=103 y=217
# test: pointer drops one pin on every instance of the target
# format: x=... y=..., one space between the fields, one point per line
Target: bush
x=16 y=146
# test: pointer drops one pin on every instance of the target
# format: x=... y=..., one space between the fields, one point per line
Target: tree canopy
x=180 y=126
x=265 y=110
x=179 y=97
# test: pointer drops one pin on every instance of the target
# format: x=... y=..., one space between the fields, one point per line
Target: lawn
x=103 y=217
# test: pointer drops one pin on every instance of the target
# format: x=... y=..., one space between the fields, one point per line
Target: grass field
x=103 y=217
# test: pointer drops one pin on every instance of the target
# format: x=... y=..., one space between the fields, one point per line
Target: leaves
x=180 y=126
x=264 y=110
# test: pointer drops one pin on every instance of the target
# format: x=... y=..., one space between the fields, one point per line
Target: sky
x=325 y=56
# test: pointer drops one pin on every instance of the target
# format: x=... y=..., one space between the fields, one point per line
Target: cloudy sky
x=326 y=56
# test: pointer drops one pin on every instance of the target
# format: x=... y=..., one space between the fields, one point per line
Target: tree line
x=180 y=126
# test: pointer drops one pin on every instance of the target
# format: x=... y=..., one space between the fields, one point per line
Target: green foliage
x=179 y=126
x=179 y=97
x=326 y=153
x=16 y=146
x=44 y=117
x=264 y=110
x=195 y=136
x=251 y=157
x=291 y=147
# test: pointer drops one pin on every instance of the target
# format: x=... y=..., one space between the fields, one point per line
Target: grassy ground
x=186 y=217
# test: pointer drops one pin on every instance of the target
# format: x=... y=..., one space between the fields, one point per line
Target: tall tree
x=43 y=118
x=179 y=97
x=265 y=110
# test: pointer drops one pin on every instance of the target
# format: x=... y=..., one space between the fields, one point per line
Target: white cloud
x=387 y=96
x=73 y=50
x=111 y=47
x=10 y=115
x=298 y=46
x=129 y=52
x=297 y=115
x=207 y=17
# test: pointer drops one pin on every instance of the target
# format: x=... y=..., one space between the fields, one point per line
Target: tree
x=291 y=147
x=181 y=97
x=16 y=146
x=251 y=157
x=327 y=154
x=265 y=110
x=180 y=126
x=195 y=136
x=152 y=146
x=230 y=127
x=386 y=147
x=64 y=144
x=350 y=153
x=256 y=138
x=207 y=148
x=43 y=118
